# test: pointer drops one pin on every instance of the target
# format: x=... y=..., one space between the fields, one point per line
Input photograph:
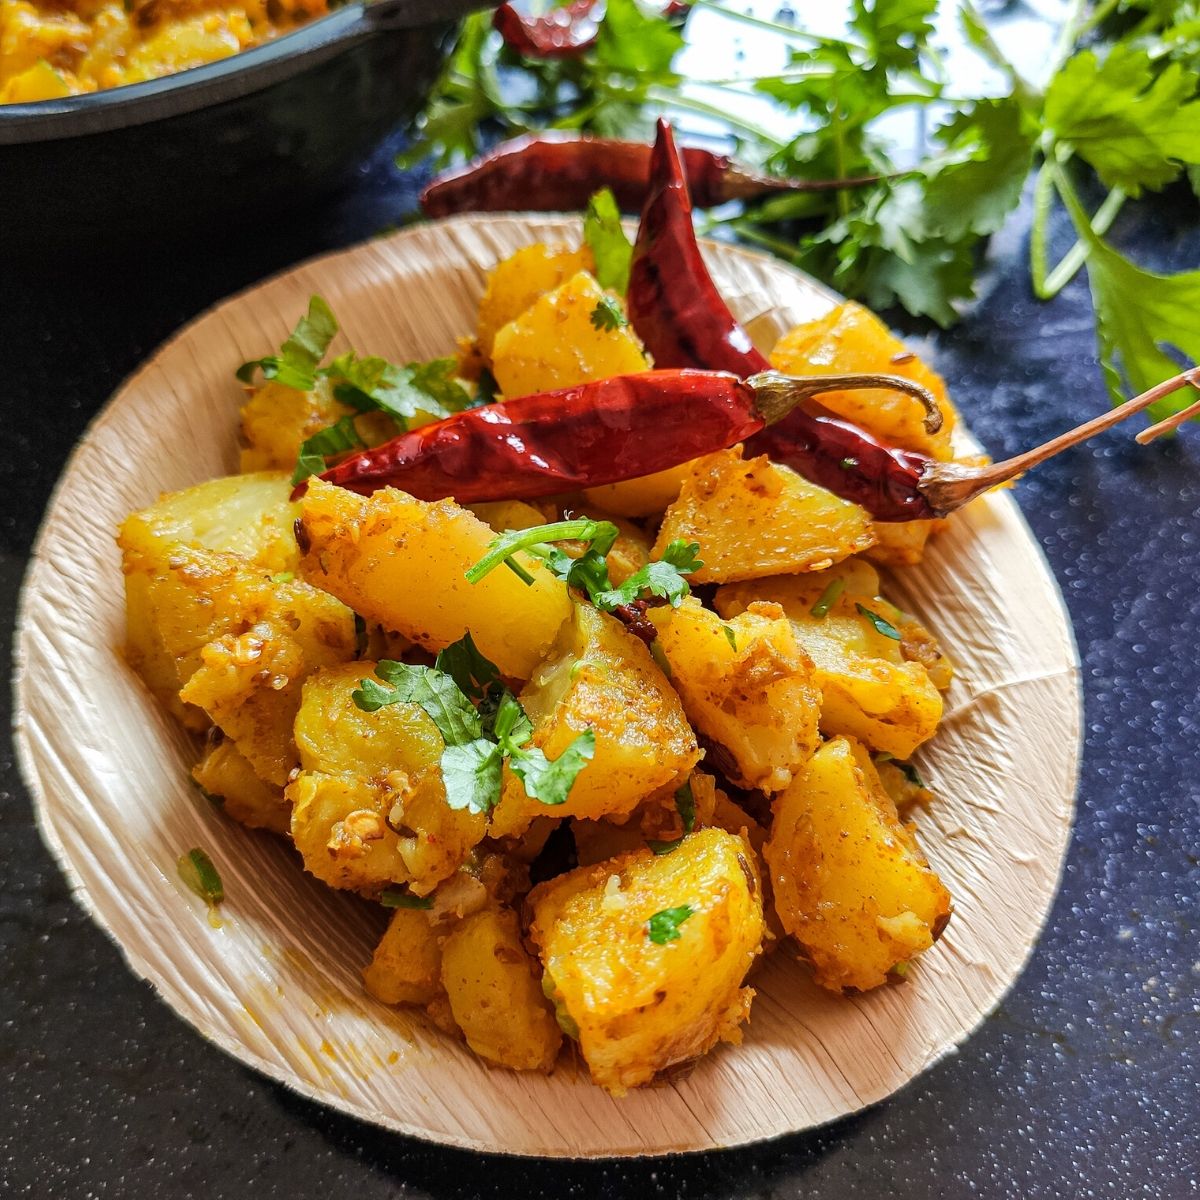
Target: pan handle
x=412 y=14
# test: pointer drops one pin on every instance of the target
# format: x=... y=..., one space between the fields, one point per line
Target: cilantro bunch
x=1118 y=102
x=482 y=724
x=408 y=395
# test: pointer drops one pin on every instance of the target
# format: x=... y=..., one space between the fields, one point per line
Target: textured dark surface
x=1084 y=1084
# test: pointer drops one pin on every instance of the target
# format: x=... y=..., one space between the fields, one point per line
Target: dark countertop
x=1085 y=1083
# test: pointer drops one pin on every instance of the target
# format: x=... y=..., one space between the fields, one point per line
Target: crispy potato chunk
x=756 y=518
x=644 y=497
x=515 y=284
x=406 y=967
x=869 y=688
x=746 y=685
x=635 y=1005
x=495 y=993
x=600 y=677
x=227 y=774
x=901 y=543
x=277 y=419
x=556 y=344
x=369 y=808
x=849 y=338
x=851 y=884
x=403 y=563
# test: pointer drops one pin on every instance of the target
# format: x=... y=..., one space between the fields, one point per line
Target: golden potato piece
x=869 y=689
x=277 y=419
x=368 y=807
x=555 y=344
x=851 y=339
x=645 y=955
x=901 y=543
x=600 y=677
x=403 y=563
x=225 y=773
x=756 y=518
x=746 y=685
x=406 y=967
x=515 y=284
x=644 y=497
x=851 y=884
x=496 y=995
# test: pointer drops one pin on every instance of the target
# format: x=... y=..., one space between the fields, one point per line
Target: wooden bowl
x=277 y=985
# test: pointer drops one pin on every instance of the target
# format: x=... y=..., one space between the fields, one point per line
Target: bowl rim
x=251 y=70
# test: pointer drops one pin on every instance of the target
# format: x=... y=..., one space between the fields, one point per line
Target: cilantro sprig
x=482 y=725
x=610 y=247
x=663 y=578
x=663 y=927
x=607 y=316
x=295 y=365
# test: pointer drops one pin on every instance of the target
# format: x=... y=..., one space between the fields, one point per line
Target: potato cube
x=555 y=344
x=645 y=954
x=901 y=543
x=402 y=562
x=406 y=967
x=495 y=993
x=756 y=518
x=746 y=685
x=515 y=284
x=870 y=690
x=226 y=773
x=644 y=497
x=277 y=419
x=851 y=884
x=369 y=807
x=600 y=677
x=851 y=339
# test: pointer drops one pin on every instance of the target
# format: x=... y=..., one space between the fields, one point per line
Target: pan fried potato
x=557 y=344
x=277 y=419
x=747 y=685
x=901 y=543
x=645 y=955
x=495 y=993
x=851 y=884
x=515 y=285
x=406 y=967
x=756 y=518
x=401 y=562
x=644 y=497
x=368 y=806
x=226 y=774
x=851 y=339
x=600 y=677
x=869 y=689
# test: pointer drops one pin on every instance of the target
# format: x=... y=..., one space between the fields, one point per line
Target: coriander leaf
x=607 y=315
x=886 y=628
x=489 y=389
x=550 y=781
x=336 y=439
x=730 y=636
x=685 y=805
x=296 y=364
x=511 y=728
x=471 y=670
x=472 y=773
x=436 y=692
x=989 y=148
x=894 y=32
x=610 y=248
x=828 y=598
x=663 y=927
x=640 y=46
x=602 y=535
x=1135 y=126
x=397 y=897
x=1141 y=316
x=197 y=871
x=664 y=577
x=403 y=393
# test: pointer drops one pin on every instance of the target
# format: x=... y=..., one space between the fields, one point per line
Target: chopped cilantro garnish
x=730 y=636
x=295 y=365
x=829 y=597
x=607 y=315
x=396 y=897
x=663 y=927
x=197 y=871
x=881 y=626
x=685 y=805
x=336 y=439
x=610 y=247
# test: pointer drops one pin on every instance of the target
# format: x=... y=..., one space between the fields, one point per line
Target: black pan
x=233 y=140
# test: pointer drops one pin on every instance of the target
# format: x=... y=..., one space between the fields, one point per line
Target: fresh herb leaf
x=296 y=364
x=611 y=249
x=881 y=626
x=417 y=391
x=828 y=598
x=664 y=577
x=663 y=927
x=489 y=389
x=336 y=439
x=602 y=535
x=197 y=871
x=1137 y=125
x=549 y=781
x=685 y=805
x=607 y=315
x=396 y=897
x=474 y=674
x=472 y=773
x=436 y=692
x=730 y=636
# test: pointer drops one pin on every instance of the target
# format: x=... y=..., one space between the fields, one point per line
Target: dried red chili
x=559 y=172
x=563 y=32
x=577 y=437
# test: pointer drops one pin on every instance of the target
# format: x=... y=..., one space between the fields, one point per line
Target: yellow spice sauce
x=49 y=50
